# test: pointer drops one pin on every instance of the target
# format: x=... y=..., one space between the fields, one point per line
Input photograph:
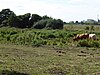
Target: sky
x=67 y=10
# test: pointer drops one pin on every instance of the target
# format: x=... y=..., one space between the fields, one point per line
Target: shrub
x=54 y=24
x=34 y=18
x=35 y=37
x=87 y=28
x=92 y=27
x=95 y=44
x=40 y=25
x=88 y=43
x=37 y=42
x=83 y=43
x=49 y=24
x=51 y=36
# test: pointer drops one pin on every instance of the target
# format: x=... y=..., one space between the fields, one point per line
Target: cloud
x=76 y=0
x=64 y=9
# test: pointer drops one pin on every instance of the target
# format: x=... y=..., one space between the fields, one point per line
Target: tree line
x=87 y=22
x=9 y=18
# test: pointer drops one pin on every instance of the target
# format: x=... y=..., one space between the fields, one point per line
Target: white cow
x=92 y=36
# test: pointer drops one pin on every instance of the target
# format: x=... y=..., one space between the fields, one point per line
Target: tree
x=49 y=24
x=24 y=20
x=21 y=21
x=12 y=20
x=34 y=18
x=46 y=17
x=82 y=22
x=71 y=22
x=91 y=22
x=4 y=15
x=76 y=22
x=40 y=24
x=54 y=24
x=9 y=18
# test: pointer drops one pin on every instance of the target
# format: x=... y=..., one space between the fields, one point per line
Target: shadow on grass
x=7 y=72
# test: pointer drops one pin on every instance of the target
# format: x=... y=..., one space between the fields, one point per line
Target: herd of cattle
x=84 y=36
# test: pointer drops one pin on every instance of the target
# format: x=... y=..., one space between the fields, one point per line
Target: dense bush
x=33 y=19
x=87 y=28
x=40 y=25
x=49 y=24
x=34 y=37
x=83 y=43
x=95 y=44
x=89 y=43
x=54 y=24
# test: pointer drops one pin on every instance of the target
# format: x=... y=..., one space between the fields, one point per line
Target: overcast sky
x=67 y=10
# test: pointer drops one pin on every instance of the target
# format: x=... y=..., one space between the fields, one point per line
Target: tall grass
x=89 y=43
x=35 y=37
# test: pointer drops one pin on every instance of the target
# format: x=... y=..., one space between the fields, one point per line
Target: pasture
x=49 y=52
x=49 y=61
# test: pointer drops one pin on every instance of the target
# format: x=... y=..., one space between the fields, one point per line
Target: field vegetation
x=49 y=52
x=31 y=44
x=44 y=37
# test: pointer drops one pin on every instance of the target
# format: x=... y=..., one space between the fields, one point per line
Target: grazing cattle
x=81 y=36
x=84 y=36
x=92 y=36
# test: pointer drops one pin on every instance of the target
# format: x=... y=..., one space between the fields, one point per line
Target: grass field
x=69 y=59
x=49 y=60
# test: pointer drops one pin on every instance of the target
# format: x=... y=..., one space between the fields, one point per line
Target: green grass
x=49 y=52
x=50 y=60
x=35 y=37
x=39 y=37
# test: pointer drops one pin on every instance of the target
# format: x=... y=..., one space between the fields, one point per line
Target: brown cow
x=81 y=36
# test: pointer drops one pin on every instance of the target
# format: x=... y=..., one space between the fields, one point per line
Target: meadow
x=49 y=52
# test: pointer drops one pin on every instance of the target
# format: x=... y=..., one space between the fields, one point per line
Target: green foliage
x=4 y=16
x=83 y=43
x=12 y=20
x=34 y=18
x=54 y=24
x=34 y=37
x=95 y=44
x=21 y=21
x=9 y=18
x=40 y=24
x=92 y=27
x=49 y=24
x=89 y=43
x=46 y=17
x=87 y=28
